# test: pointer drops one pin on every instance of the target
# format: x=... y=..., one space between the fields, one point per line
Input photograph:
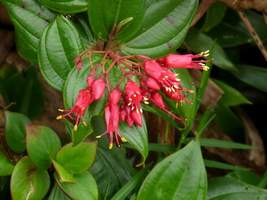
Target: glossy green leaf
x=6 y=167
x=42 y=145
x=66 y=6
x=214 y=16
x=164 y=28
x=137 y=138
x=77 y=159
x=231 y=96
x=84 y=187
x=57 y=194
x=35 y=7
x=199 y=42
x=225 y=188
x=253 y=76
x=181 y=175
x=104 y=14
x=59 y=45
x=209 y=142
x=28 y=182
x=112 y=170
x=247 y=176
x=63 y=174
x=28 y=30
x=126 y=190
x=15 y=131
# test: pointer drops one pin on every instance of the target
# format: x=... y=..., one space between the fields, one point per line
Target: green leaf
x=42 y=145
x=36 y=8
x=112 y=170
x=104 y=14
x=245 y=176
x=6 y=167
x=28 y=30
x=137 y=138
x=199 y=42
x=77 y=159
x=221 y=165
x=84 y=187
x=214 y=16
x=59 y=45
x=66 y=6
x=181 y=175
x=209 y=142
x=253 y=76
x=15 y=131
x=28 y=182
x=57 y=194
x=231 y=96
x=64 y=175
x=164 y=28
x=226 y=188
x=126 y=190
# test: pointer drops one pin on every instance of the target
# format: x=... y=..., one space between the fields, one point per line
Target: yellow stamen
x=123 y=139
x=110 y=146
x=99 y=136
x=60 y=110
x=84 y=123
x=75 y=127
x=59 y=117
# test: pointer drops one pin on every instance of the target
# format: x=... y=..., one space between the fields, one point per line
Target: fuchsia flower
x=167 y=79
x=185 y=61
x=112 y=117
x=86 y=96
x=155 y=78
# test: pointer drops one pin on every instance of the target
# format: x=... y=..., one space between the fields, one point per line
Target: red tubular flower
x=167 y=79
x=133 y=99
x=98 y=88
x=83 y=100
x=184 y=61
x=151 y=83
x=112 y=118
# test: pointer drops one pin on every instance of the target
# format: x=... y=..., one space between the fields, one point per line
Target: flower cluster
x=146 y=81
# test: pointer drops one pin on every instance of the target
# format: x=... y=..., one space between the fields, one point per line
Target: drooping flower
x=189 y=61
x=168 y=80
x=133 y=100
x=98 y=88
x=82 y=102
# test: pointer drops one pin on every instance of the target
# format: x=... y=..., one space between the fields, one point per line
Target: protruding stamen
x=75 y=127
x=59 y=117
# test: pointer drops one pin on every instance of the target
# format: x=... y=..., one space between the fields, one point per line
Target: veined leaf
x=209 y=142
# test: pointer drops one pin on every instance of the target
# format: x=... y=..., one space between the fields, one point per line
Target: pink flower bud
x=98 y=88
x=114 y=96
x=153 y=68
x=152 y=84
x=136 y=116
x=157 y=99
x=90 y=80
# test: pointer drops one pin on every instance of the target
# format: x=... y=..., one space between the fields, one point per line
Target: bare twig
x=253 y=33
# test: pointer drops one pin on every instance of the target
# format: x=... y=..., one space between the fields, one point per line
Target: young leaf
x=15 y=129
x=28 y=182
x=137 y=138
x=164 y=27
x=231 y=96
x=42 y=145
x=6 y=167
x=59 y=45
x=84 y=187
x=66 y=6
x=221 y=165
x=28 y=29
x=181 y=175
x=77 y=159
x=63 y=174
x=199 y=42
x=105 y=14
